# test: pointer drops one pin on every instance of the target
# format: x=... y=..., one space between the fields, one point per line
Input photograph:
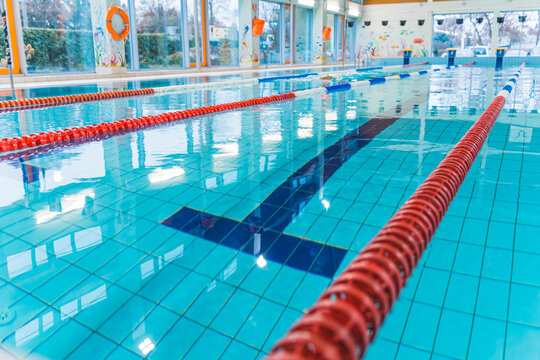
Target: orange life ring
x=110 y=13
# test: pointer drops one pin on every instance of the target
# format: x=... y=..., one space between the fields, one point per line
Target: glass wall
x=287 y=33
x=520 y=33
x=270 y=39
x=350 y=40
x=223 y=23
x=329 y=49
x=195 y=34
x=57 y=35
x=159 y=33
x=303 y=32
x=339 y=27
x=469 y=33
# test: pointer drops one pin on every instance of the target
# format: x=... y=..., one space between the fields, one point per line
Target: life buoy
x=110 y=13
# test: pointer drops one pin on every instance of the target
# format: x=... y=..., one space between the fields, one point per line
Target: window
x=520 y=33
x=159 y=33
x=287 y=33
x=350 y=40
x=270 y=39
x=330 y=44
x=223 y=23
x=469 y=33
x=303 y=31
x=60 y=34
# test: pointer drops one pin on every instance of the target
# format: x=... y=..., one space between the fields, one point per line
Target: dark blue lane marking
x=261 y=232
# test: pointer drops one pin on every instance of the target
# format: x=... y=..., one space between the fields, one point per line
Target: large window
x=223 y=22
x=60 y=34
x=350 y=40
x=159 y=33
x=195 y=34
x=520 y=33
x=270 y=39
x=469 y=33
x=329 y=45
x=303 y=31
x=287 y=33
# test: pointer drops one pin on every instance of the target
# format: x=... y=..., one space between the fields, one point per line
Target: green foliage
x=59 y=49
x=159 y=49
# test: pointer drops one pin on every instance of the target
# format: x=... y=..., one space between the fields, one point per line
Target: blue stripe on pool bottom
x=261 y=232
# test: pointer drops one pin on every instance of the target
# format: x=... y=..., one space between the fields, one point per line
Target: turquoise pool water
x=207 y=239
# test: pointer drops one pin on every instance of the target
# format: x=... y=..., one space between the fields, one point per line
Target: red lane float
x=346 y=318
x=63 y=136
x=13 y=105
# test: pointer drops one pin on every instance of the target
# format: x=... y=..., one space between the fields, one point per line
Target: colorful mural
x=108 y=52
x=389 y=41
x=249 y=51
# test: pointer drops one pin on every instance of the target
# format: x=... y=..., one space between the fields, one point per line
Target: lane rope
x=346 y=318
x=33 y=103
x=90 y=131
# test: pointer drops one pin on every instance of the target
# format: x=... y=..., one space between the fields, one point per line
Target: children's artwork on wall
x=390 y=40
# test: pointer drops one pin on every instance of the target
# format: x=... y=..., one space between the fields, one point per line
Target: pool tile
x=210 y=345
x=124 y=320
x=236 y=350
x=143 y=338
x=288 y=317
x=421 y=326
x=61 y=283
x=94 y=347
x=487 y=339
x=185 y=293
x=120 y=264
x=121 y=353
x=522 y=342
x=177 y=342
x=63 y=341
x=259 y=323
x=525 y=305
x=233 y=314
x=462 y=292
x=525 y=268
x=381 y=349
x=432 y=286
x=163 y=282
x=209 y=302
x=493 y=299
x=92 y=302
x=284 y=285
x=453 y=334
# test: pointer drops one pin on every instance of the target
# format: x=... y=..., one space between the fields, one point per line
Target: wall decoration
x=108 y=52
x=389 y=41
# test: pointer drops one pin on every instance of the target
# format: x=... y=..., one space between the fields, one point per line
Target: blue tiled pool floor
x=88 y=270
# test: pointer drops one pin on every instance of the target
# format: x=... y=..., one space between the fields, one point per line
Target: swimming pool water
x=208 y=238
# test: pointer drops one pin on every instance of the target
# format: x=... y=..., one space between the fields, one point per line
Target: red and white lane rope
x=345 y=319
x=24 y=104
x=63 y=136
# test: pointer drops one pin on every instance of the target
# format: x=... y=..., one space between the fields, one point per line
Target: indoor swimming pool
x=207 y=238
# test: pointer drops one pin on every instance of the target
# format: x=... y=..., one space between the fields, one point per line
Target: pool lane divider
x=260 y=233
x=23 y=104
x=345 y=319
x=90 y=131
x=34 y=103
